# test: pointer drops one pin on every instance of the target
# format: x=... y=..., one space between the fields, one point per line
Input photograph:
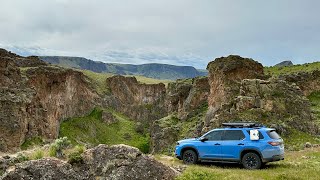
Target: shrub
x=75 y=156
x=56 y=148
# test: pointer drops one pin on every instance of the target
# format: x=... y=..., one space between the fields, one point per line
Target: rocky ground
x=102 y=162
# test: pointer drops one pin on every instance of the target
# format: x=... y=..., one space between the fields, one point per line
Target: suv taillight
x=272 y=143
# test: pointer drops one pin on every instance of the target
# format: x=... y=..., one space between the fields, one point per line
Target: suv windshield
x=273 y=134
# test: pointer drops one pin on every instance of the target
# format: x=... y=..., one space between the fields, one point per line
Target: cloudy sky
x=181 y=32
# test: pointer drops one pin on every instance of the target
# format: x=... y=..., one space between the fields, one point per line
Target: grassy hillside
x=292 y=69
x=297 y=165
x=91 y=129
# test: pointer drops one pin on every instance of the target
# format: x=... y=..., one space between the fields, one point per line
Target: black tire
x=190 y=157
x=251 y=161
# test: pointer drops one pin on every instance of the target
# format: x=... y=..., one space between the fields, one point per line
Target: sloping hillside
x=158 y=71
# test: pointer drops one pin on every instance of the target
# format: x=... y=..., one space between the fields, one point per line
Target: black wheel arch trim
x=252 y=150
x=189 y=148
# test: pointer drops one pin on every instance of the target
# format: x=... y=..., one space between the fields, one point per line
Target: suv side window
x=233 y=135
x=214 y=135
x=260 y=134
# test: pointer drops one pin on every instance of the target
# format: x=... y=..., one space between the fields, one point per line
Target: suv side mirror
x=203 y=139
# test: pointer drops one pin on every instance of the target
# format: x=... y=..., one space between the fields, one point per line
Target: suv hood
x=188 y=140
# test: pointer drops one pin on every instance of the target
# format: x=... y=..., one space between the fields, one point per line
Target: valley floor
x=304 y=164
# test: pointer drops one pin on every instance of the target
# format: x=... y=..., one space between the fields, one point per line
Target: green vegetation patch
x=295 y=140
x=98 y=80
x=314 y=98
x=308 y=67
x=93 y=130
x=31 y=142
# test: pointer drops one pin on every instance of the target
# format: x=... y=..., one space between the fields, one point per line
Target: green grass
x=297 y=165
x=98 y=80
x=92 y=130
x=297 y=139
x=308 y=67
x=31 y=142
x=146 y=80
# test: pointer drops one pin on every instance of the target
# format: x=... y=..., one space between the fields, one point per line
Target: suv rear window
x=273 y=134
x=233 y=135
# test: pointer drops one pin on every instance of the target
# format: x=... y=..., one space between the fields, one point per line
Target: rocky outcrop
x=101 y=162
x=31 y=61
x=240 y=94
x=33 y=104
x=225 y=75
x=142 y=102
x=307 y=81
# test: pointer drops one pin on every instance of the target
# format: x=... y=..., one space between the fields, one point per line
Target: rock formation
x=184 y=96
x=307 y=81
x=239 y=93
x=102 y=162
x=141 y=102
x=34 y=102
x=225 y=75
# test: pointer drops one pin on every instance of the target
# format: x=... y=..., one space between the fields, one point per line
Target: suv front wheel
x=190 y=157
x=251 y=161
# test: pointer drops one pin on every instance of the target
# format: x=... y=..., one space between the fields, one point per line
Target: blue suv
x=250 y=144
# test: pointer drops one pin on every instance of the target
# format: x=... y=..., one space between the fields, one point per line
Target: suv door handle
x=240 y=144
x=217 y=144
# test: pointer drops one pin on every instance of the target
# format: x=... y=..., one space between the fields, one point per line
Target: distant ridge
x=153 y=70
x=284 y=63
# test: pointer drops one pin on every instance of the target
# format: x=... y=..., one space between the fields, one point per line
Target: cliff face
x=142 y=102
x=61 y=93
x=34 y=103
x=184 y=96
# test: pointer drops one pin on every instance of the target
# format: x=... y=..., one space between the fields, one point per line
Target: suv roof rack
x=242 y=125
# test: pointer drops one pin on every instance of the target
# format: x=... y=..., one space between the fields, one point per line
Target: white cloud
x=190 y=32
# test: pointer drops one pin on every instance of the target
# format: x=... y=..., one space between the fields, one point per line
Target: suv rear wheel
x=251 y=161
x=190 y=157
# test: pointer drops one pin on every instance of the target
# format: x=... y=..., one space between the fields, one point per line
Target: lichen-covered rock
x=122 y=162
x=307 y=81
x=119 y=162
x=42 y=169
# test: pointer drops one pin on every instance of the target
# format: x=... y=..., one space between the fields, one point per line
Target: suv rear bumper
x=274 y=158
